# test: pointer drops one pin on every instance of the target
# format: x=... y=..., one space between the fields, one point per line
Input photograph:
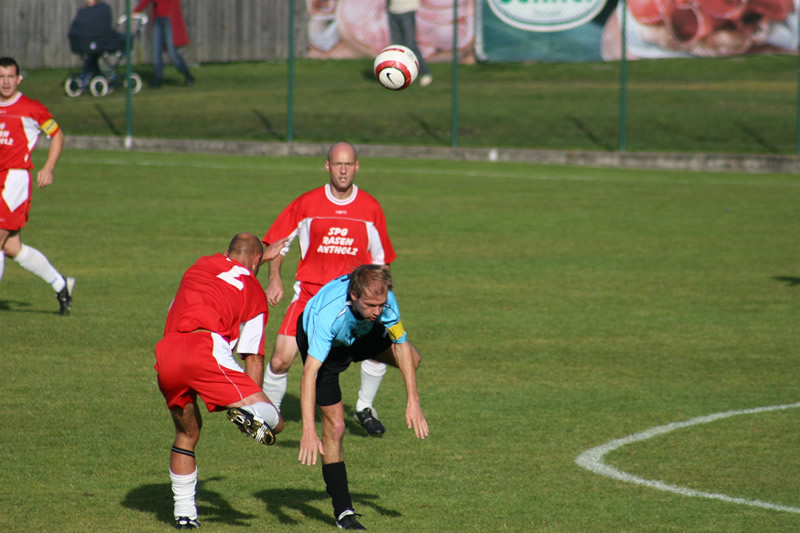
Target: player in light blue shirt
x=330 y=321
x=352 y=318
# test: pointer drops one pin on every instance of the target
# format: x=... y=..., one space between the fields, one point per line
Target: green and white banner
x=540 y=30
x=591 y=30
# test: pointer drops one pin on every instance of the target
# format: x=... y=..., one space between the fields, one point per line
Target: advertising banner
x=541 y=30
x=590 y=30
x=341 y=29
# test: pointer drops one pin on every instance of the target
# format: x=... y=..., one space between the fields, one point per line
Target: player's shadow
x=16 y=306
x=791 y=281
x=290 y=408
x=156 y=498
x=290 y=411
x=307 y=503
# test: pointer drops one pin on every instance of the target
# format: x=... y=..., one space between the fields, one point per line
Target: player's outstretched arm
x=415 y=418
x=310 y=443
x=273 y=250
x=275 y=285
x=45 y=176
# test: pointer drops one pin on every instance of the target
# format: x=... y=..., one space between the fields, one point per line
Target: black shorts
x=369 y=346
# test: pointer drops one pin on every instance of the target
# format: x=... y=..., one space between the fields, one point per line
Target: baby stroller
x=102 y=47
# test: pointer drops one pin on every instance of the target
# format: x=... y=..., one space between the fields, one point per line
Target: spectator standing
x=403 y=30
x=22 y=119
x=169 y=33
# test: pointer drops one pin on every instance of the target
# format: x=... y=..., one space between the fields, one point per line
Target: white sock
x=2 y=264
x=275 y=386
x=36 y=263
x=371 y=376
x=183 y=491
x=265 y=412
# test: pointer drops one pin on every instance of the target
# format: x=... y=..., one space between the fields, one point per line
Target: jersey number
x=232 y=276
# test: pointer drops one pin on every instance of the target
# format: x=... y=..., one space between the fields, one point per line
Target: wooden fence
x=34 y=32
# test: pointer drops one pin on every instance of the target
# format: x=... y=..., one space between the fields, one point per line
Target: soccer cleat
x=65 y=296
x=425 y=80
x=184 y=522
x=347 y=520
x=251 y=425
x=367 y=419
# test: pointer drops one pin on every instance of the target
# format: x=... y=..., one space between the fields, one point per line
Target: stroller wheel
x=98 y=86
x=73 y=86
x=135 y=83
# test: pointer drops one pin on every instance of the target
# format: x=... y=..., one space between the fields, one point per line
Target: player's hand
x=274 y=292
x=310 y=445
x=416 y=419
x=273 y=250
x=44 y=178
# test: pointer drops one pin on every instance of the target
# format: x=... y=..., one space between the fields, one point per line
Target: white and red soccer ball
x=396 y=67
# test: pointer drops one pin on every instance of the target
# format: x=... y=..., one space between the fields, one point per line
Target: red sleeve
x=180 y=37
x=380 y=224
x=285 y=224
x=141 y=6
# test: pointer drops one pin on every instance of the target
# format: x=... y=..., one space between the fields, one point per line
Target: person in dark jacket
x=91 y=34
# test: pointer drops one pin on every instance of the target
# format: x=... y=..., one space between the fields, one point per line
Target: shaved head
x=247 y=249
x=245 y=244
x=343 y=145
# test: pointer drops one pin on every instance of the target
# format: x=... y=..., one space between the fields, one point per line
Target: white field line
x=593 y=459
x=641 y=179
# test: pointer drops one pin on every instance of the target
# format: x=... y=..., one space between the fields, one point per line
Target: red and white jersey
x=335 y=236
x=220 y=295
x=21 y=121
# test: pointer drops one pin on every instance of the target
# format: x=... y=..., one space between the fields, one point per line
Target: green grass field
x=556 y=309
x=736 y=105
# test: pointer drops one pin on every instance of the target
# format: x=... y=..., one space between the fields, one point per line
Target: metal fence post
x=290 y=100
x=454 y=118
x=128 y=100
x=623 y=81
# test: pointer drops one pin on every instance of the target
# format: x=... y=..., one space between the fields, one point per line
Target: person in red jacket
x=22 y=120
x=169 y=33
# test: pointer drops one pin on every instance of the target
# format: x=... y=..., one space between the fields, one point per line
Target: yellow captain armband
x=49 y=127
x=396 y=331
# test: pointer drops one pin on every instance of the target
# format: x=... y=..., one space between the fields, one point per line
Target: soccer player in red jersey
x=22 y=119
x=219 y=306
x=338 y=227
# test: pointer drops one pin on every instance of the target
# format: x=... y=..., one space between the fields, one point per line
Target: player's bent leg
x=333 y=428
x=256 y=417
x=187 y=423
x=372 y=373
x=36 y=263
x=183 y=466
x=276 y=379
x=334 y=471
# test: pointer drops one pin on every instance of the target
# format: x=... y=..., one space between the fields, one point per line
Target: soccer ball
x=396 y=67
